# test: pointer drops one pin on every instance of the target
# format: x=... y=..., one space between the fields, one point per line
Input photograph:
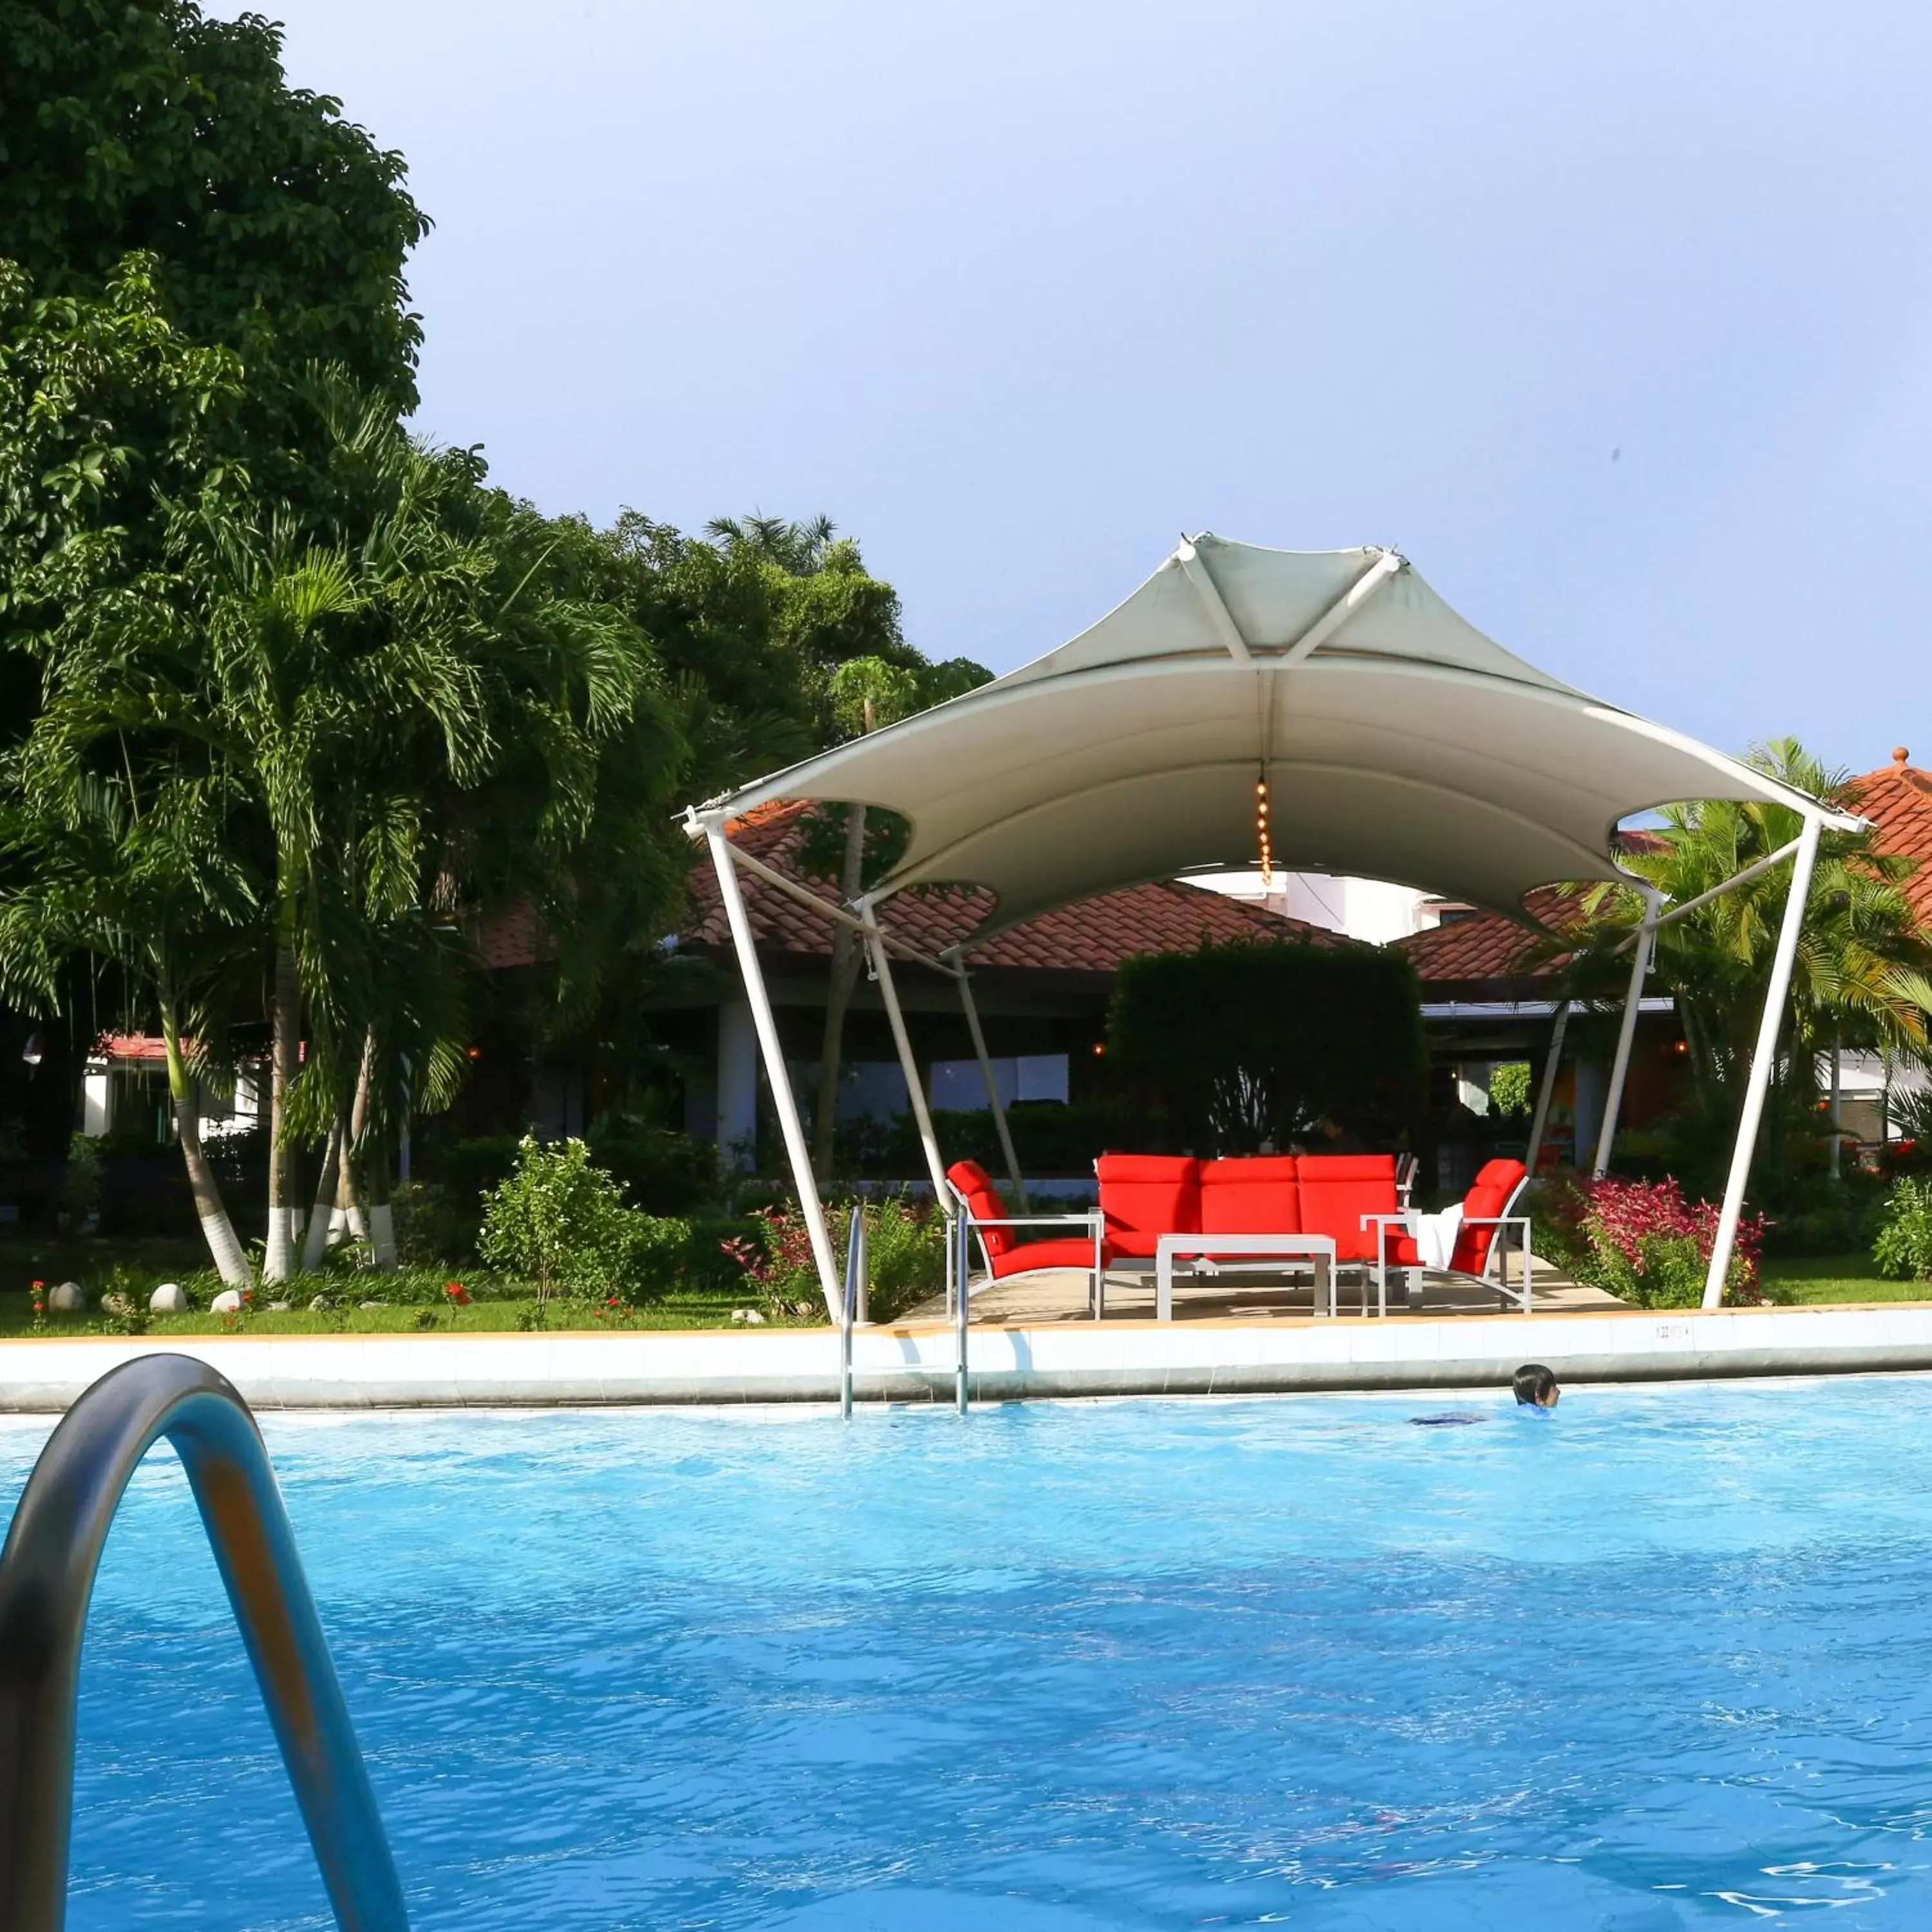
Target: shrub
x=1509 y=1088
x=905 y=1254
x=562 y=1223
x=1253 y=1042
x=431 y=1229
x=80 y=1186
x=1903 y=1249
x=1647 y=1244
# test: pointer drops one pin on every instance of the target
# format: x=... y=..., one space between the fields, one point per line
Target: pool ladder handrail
x=47 y=1572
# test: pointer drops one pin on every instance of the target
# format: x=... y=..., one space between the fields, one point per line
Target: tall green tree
x=112 y=843
x=279 y=228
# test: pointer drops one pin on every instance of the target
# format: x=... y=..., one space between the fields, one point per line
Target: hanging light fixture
x=35 y=1050
x=1261 y=831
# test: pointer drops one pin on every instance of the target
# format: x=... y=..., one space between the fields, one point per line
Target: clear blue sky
x=1016 y=292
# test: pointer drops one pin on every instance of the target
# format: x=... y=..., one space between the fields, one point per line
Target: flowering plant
x=905 y=1256
x=1652 y=1246
x=459 y=1296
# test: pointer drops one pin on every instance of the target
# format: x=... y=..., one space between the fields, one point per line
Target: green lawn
x=1841 y=1278
x=137 y=1265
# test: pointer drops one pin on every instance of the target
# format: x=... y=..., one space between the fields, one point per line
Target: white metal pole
x=783 y=1099
x=964 y=1227
x=1000 y=1125
x=882 y=970
x=1762 y=1060
x=1626 y=1034
x=1546 y=1092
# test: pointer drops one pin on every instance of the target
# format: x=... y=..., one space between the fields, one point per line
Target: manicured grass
x=501 y=1305
x=1854 y=1277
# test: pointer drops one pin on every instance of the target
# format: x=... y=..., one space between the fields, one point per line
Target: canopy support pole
x=1344 y=608
x=1000 y=1125
x=1547 y=1090
x=1213 y=602
x=1762 y=1061
x=882 y=971
x=1613 y=1101
x=783 y=1099
x=1660 y=919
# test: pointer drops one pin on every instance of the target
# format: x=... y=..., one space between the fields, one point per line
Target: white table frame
x=1319 y=1248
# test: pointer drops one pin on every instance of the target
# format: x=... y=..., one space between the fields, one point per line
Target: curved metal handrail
x=47 y=1579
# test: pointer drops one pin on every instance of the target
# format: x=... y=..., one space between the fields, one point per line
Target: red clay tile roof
x=1897 y=799
x=1485 y=945
x=1093 y=936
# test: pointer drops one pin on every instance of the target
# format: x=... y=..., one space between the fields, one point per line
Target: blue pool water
x=1657 y=1661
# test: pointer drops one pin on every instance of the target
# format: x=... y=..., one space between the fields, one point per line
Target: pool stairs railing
x=47 y=1579
x=852 y=1308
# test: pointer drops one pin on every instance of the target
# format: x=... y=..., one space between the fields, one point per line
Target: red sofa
x=1143 y=1196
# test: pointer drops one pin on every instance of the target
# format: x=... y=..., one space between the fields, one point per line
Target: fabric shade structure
x=1395 y=741
x=1398 y=743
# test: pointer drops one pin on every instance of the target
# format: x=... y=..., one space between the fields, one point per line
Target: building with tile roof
x=1041 y=988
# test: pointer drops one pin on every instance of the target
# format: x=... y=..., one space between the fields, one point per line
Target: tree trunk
x=373 y=1160
x=352 y=1192
x=278 y=1263
x=843 y=979
x=230 y=1263
x=322 y=1216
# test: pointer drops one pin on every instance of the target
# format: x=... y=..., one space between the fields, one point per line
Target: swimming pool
x=1655 y=1661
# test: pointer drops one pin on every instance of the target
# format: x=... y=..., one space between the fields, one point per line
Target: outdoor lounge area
x=1263 y=1215
x=1312 y=711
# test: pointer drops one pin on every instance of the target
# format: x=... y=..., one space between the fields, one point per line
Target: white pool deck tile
x=916 y=1362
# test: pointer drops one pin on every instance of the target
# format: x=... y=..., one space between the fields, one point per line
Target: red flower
x=457 y=1292
x=38 y=1285
x=612 y=1303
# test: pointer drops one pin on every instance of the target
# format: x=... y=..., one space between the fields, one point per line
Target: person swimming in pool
x=1535 y=1387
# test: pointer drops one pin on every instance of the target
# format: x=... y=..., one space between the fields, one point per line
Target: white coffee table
x=1319 y=1248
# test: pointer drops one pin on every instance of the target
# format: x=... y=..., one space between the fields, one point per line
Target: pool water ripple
x=1652 y=1662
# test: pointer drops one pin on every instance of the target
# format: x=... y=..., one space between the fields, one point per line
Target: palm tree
x=1863 y=974
x=131 y=865
x=797 y=549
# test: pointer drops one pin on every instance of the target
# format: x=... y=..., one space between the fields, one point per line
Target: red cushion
x=1076 y=1251
x=1496 y=1182
x=1257 y=1195
x=1145 y=1196
x=983 y=1204
x=1337 y=1189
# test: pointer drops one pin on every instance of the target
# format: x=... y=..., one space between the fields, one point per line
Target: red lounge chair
x=979 y=1200
x=1486 y=1213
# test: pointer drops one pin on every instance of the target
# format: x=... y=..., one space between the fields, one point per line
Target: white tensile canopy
x=1395 y=741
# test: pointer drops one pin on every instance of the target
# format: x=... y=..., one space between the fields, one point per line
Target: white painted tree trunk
x=224 y=1246
x=322 y=1217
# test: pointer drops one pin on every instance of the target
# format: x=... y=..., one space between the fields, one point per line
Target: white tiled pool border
x=44 y=1374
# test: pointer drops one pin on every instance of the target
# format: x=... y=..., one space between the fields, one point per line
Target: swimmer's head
x=1535 y=1387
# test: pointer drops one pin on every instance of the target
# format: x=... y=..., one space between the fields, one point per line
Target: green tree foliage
x=280 y=229
x=1247 y=1042
x=1863 y=974
x=562 y=1223
x=1509 y=1088
x=106 y=410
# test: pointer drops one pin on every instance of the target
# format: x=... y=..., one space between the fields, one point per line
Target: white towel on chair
x=1436 y=1236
